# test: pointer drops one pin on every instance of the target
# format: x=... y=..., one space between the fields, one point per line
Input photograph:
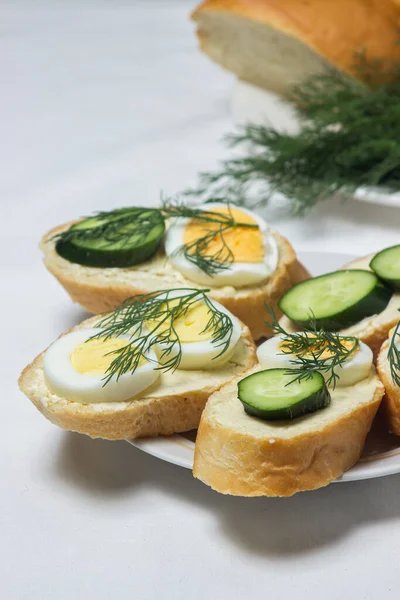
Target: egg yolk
x=189 y=327
x=92 y=358
x=326 y=353
x=245 y=243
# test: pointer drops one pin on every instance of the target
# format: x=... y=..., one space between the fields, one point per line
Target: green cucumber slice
x=115 y=240
x=336 y=300
x=386 y=265
x=272 y=395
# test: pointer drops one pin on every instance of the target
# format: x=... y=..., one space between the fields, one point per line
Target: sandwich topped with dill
x=362 y=299
x=231 y=251
x=389 y=371
x=294 y=422
x=145 y=368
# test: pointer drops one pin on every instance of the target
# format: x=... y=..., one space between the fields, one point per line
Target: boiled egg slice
x=75 y=368
x=271 y=354
x=196 y=347
x=255 y=251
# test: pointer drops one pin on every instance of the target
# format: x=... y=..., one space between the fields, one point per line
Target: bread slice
x=99 y=290
x=173 y=404
x=374 y=330
x=245 y=456
x=276 y=44
x=391 y=401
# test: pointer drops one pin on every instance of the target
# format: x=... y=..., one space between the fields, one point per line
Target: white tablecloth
x=104 y=104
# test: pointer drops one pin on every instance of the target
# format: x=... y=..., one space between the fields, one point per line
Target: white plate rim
x=179 y=450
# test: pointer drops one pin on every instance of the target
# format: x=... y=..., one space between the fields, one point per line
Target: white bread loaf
x=276 y=44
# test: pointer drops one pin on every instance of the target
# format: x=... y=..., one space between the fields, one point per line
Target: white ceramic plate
x=381 y=454
x=251 y=104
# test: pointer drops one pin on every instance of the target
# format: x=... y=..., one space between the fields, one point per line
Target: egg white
x=236 y=274
x=65 y=381
x=204 y=354
x=356 y=368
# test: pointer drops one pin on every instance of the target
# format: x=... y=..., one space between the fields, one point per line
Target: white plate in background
x=381 y=454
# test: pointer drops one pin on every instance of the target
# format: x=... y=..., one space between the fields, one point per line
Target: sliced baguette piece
x=173 y=404
x=244 y=456
x=99 y=290
x=276 y=44
x=373 y=330
x=391 y=401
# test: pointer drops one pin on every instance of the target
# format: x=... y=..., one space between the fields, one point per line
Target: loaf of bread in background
x=276 y=44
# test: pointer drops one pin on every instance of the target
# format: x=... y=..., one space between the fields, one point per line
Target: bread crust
x=240 y=464
x=391 y=401
x=324 y=27
x=142 y=417
x=99 y=290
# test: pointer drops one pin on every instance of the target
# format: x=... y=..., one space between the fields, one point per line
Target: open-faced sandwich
x=146 y=368
x=295 y=422
x=105 y=259
x=389 y=371
x=361 y=300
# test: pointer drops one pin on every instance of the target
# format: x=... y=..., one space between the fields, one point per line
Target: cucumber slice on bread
x=110 y=242
x=386 y=265
x=336 y=300
x=273 y=395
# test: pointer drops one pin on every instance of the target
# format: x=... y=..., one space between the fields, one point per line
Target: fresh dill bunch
x=120 y=225
x=394 y=356
x=349 y=137
x=196 y=251
x=308 y=348
x=149 y=321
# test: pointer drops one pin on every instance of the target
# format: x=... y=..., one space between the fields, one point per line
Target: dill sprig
x=120 y=225
x=394 y=356
x=308 y=348
x=149 y=319
x=349 y=137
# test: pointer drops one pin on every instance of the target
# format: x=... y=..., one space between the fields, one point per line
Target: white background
x=104 y=104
